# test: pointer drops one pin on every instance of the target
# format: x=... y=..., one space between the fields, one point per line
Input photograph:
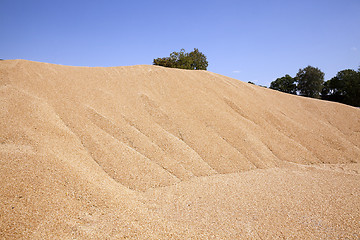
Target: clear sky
x=253 y=40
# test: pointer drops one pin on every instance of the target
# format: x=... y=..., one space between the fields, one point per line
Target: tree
x=284 y=84
x=352 y=88
x=310 y=81
x=198 y=60
x=194 y=60
x=166 y=62
x=344 y=88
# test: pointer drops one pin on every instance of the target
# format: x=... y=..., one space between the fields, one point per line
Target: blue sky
x=254 y=40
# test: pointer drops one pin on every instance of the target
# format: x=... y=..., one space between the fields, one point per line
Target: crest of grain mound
x=92 y=138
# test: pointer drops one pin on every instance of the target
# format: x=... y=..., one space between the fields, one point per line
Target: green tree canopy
x=194 y=60
x=284 y=84
x=310 y=81
x=344 y=88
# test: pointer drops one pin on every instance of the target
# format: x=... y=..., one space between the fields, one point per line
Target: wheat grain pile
x=146 y=152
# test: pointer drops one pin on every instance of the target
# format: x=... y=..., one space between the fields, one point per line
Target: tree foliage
x=310 y=81
x=194 y=60
x=344 y=88
x=284 y=84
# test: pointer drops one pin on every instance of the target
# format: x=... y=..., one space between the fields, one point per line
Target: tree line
x=309 y=82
